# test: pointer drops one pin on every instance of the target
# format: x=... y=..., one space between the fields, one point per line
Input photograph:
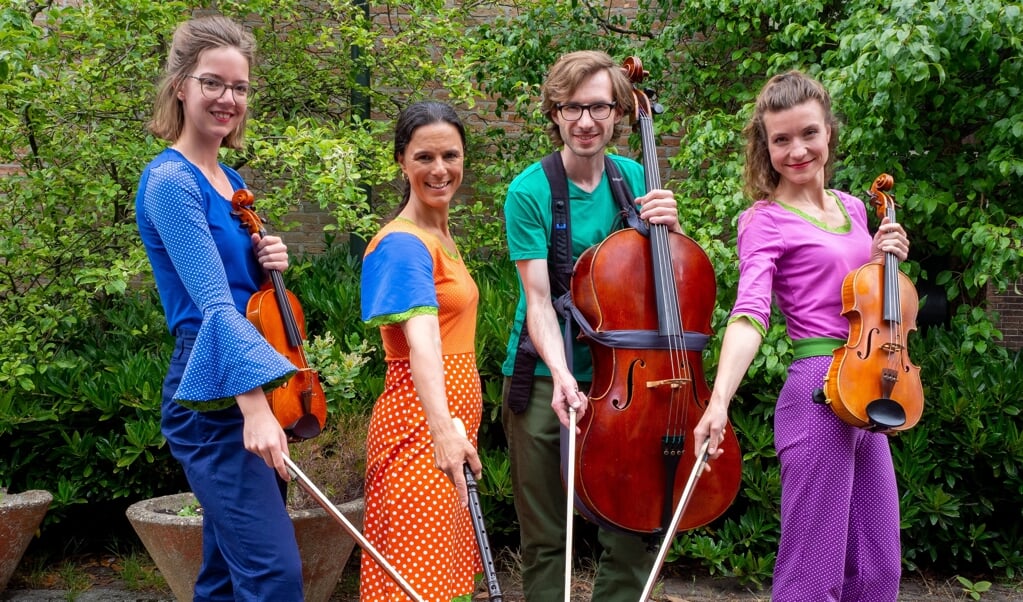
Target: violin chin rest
x=885 y=414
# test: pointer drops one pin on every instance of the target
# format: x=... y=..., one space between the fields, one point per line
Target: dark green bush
x=89 y=428
x=959 y=468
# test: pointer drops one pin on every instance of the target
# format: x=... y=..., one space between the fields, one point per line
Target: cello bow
x=676 y=519
x=570 y=502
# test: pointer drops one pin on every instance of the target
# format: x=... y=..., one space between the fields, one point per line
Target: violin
x=872 y=383
x=635 y=446
x=299 y=405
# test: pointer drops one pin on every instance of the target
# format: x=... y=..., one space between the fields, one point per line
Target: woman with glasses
x=215 y=415
x=586 y=97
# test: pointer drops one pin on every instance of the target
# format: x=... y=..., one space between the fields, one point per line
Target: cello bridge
x=674 y=383
x=893 y=347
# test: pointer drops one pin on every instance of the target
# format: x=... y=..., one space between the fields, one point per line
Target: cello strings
x=669 y=301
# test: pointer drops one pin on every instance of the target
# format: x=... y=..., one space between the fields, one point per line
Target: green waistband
x=809 y=347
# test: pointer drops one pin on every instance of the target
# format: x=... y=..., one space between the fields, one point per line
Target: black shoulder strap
x=622 y=194
x=559 y=258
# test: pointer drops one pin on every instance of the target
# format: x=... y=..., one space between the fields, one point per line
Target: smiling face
x=214 y=118
x=587 y=137
x=797 y=140
x=433 y=164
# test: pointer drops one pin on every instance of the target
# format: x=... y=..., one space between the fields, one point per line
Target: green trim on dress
x=749 y=318
x=844 y=229
x=402 y=316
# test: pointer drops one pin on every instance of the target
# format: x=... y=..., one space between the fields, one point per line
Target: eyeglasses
x=213 y=88
x=574 y=112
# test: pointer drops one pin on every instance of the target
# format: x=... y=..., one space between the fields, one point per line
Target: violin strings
x=894 y=298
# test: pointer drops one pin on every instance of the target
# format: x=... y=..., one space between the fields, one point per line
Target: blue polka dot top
x=205 y=272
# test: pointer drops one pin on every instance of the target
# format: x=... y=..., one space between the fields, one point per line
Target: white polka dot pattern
x=839 y=502
x=413 y=515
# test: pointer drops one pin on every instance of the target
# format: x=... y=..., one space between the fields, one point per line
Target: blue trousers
x=249 y=547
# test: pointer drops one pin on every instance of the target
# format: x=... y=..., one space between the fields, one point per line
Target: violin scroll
x=242 y=201
x=879 y=197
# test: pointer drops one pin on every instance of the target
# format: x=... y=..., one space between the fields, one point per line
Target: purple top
x=801 y=262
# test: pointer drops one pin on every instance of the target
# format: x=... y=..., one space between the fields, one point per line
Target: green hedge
x=89 y=430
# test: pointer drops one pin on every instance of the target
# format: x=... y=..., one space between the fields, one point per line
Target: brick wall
x=307 y=235
x=1009 y=306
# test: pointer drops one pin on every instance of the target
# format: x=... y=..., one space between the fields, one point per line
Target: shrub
x=91 y=418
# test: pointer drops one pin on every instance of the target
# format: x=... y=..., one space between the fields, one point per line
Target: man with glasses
x=586 y=97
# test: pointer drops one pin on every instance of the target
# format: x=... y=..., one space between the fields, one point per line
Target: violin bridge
x=893 y=347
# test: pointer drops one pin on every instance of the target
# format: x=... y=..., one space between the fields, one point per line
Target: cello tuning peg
x=657 y=108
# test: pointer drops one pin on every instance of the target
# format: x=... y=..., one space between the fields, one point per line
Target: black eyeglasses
x=574 y=112
x=213 y=88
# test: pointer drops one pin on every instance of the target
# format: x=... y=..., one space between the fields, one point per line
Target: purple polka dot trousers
x=839 y=501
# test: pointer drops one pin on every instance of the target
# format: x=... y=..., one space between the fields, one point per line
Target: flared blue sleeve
x=397 y=280
x=229 y=356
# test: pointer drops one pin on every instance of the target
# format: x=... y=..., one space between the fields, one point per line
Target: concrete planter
x=20 y=516
x=175 y=543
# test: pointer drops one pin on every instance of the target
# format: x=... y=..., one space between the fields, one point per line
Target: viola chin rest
x=885 y=414
x=305 y=427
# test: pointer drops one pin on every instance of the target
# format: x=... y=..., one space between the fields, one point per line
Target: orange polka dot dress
x=413 y=516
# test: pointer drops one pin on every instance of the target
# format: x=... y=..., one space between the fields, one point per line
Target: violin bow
x=570 y=503
x=683 y=501
x=364 y=543
x=479 y=527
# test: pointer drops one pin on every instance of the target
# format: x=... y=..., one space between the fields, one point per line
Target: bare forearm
x=740 y=345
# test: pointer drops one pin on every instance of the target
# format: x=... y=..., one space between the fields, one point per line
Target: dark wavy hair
x=415 y=116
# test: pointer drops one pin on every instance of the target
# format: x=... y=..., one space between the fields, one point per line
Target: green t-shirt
x=594 y=215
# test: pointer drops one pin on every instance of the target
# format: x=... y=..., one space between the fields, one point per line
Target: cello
x=647 y=395
x=299 y=405
x=871 y=383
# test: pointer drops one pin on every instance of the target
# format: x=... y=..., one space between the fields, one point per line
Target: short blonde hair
x=780 y=93
x=190 y=40
x=573 y=69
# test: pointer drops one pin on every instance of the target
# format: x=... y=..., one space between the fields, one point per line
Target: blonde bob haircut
x=569 y=72
x=190 y=40
x=780 y=93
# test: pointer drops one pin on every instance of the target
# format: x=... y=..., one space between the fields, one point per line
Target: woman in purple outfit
x=839 y=501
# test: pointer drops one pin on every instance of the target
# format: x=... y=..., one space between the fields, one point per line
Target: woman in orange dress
x=417 y=289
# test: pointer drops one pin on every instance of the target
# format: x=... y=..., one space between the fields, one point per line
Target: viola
x=872 y=383
x=635 y=446
x=299 y=405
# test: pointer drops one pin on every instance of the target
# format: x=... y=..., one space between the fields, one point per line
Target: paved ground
x=102 y=583
x=675 y=589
